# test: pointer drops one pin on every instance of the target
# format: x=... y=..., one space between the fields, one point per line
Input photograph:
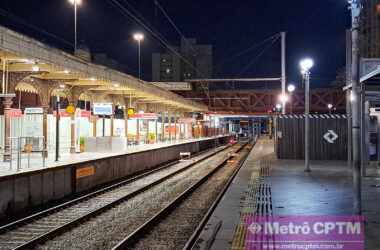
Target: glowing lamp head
x=306 y=64
x=291 y=88
x=35 y=68
x=76 y=2
x=329 y=106
x=138 y=37
x=278 y=106
x=283 y=98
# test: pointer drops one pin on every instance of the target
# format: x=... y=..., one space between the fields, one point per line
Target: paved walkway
x=327 y=190
x=65 y=159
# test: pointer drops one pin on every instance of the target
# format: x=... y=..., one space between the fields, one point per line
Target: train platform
x=326 y=191
x=30 y=188
x=36 y=162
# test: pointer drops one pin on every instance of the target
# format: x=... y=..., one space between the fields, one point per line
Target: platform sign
x=103 y=109
x=70 y=109
x=144 y=116
x=130 y=111
x=85 y=172
x=14 y=113
x=186 y=120
x=34 y=111
x=85 y=114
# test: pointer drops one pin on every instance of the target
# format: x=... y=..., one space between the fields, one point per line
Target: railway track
x=43 y=229
x=178 y=224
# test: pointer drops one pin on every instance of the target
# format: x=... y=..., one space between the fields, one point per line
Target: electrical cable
x=173 y=24
x=257 y=57
x=162 y=40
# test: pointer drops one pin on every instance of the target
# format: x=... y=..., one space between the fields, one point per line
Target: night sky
x=314 y=28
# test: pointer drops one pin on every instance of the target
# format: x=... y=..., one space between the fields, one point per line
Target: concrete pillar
x=7 y=104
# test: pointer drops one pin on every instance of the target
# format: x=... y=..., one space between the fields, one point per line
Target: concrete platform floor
x=327 y=190
x=67 y=158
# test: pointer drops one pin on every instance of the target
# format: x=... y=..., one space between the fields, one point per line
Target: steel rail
x=45 y=236
x=193 y=238
x=132 y=238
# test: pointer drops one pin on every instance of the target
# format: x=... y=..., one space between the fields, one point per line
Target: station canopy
x=25 y=54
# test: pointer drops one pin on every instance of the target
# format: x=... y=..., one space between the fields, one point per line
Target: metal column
x=355 y=104
x=283 y=70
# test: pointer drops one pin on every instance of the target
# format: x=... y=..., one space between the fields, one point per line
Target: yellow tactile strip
x=257 y=200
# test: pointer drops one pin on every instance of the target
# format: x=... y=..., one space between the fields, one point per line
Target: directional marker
x=331 y=136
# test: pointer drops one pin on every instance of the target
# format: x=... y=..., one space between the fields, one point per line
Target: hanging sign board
x=85 y=114
x=34 y=111
x=186 y=120
x=144 y=116
x=130 y=111
x=103 y=109
x=62 y=113
x=70 y=109
x=14 y=113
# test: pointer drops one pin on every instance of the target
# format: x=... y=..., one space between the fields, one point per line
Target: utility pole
x=307 y=122
x=283 y=70
x=348 y=97
x=355 y=106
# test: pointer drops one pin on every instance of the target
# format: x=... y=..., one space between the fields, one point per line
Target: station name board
x=33 y=111
x=103 y=109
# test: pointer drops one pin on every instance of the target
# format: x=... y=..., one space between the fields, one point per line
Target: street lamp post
x=76 y=3
x=355 y=105
x=139 y=37
x=306 y=65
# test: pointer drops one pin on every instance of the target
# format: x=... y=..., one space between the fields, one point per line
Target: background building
x=370 y=29
x=169 y=67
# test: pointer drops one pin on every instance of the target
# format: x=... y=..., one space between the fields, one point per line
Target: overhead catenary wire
x=159 y=6
x=246 y=51
x=155 y=34
x=258 y=56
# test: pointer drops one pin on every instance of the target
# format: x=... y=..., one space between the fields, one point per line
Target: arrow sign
x=331 y=136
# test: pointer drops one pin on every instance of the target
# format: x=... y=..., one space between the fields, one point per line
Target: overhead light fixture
x=66 y=71
x=62 y=86
x=138 y=37
x=291 y=88
x=306 y=65
x=284 y=98
x=93 y=79
x=77 y=2
x=35 y=68
x=116 y=85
